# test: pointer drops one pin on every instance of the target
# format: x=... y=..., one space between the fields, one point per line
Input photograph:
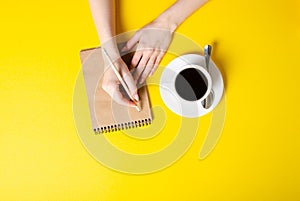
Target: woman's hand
x=154 y=38
x=153 y=41
x=110 y=82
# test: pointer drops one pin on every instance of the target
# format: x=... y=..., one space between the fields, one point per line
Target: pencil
x=123 y=83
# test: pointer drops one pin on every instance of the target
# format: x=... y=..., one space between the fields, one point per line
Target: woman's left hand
x=153 y=41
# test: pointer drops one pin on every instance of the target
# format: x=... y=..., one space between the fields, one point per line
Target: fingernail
x=136 y=97
x=132 y=104
x=141 y=81
x=124 y=49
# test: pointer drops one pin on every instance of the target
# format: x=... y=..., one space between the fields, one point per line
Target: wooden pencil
x=123 y=83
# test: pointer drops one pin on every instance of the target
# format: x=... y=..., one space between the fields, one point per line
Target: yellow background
x=257 y=158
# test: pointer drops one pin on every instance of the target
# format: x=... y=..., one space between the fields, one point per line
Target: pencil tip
x=138 y=106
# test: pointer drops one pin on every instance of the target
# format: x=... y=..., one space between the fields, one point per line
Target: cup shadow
x=219 y=63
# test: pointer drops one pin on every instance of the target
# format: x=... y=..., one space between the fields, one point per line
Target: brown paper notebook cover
x=107 y=115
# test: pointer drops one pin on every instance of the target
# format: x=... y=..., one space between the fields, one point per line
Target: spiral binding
x=122 y=126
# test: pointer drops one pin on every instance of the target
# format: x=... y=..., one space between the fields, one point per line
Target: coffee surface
x=191 y=84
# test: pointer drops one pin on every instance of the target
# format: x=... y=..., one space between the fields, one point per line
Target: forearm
x=178 y=12
x=103 y=12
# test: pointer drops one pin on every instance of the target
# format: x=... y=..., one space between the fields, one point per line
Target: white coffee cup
x=192 y=83
x=185 y=100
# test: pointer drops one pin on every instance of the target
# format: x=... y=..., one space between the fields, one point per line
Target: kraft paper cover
x=107 y=115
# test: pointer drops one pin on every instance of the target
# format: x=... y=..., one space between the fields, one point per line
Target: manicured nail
x=124 y=48
x=136 y=97
x=141 y=81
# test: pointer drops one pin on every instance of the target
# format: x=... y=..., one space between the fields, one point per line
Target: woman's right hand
x=111 y=84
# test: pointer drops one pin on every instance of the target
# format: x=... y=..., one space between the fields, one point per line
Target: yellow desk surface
x=256 y=45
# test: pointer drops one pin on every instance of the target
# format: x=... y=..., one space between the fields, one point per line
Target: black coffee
x=190 y=84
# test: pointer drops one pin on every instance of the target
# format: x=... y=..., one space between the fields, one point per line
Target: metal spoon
x=208 y=101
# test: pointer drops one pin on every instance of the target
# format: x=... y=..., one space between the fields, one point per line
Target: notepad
x=107 y=115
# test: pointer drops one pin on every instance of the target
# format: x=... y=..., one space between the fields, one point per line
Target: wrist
x=166 y=21
x=105 y=36
x=111 y=48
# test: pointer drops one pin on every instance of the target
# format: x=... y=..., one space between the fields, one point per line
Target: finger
x=148 y=68
x=138 y=71
x=136 y=58
x=157 y=62
x=142 y=64
x=118 y=97
x=113 y=90
x=129 y=81
x=132 y=41
x=126 y=80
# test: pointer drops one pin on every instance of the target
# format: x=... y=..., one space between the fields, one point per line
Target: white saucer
x=171 y=98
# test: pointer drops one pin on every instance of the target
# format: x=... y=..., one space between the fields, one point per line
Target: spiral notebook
x=107 y=115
